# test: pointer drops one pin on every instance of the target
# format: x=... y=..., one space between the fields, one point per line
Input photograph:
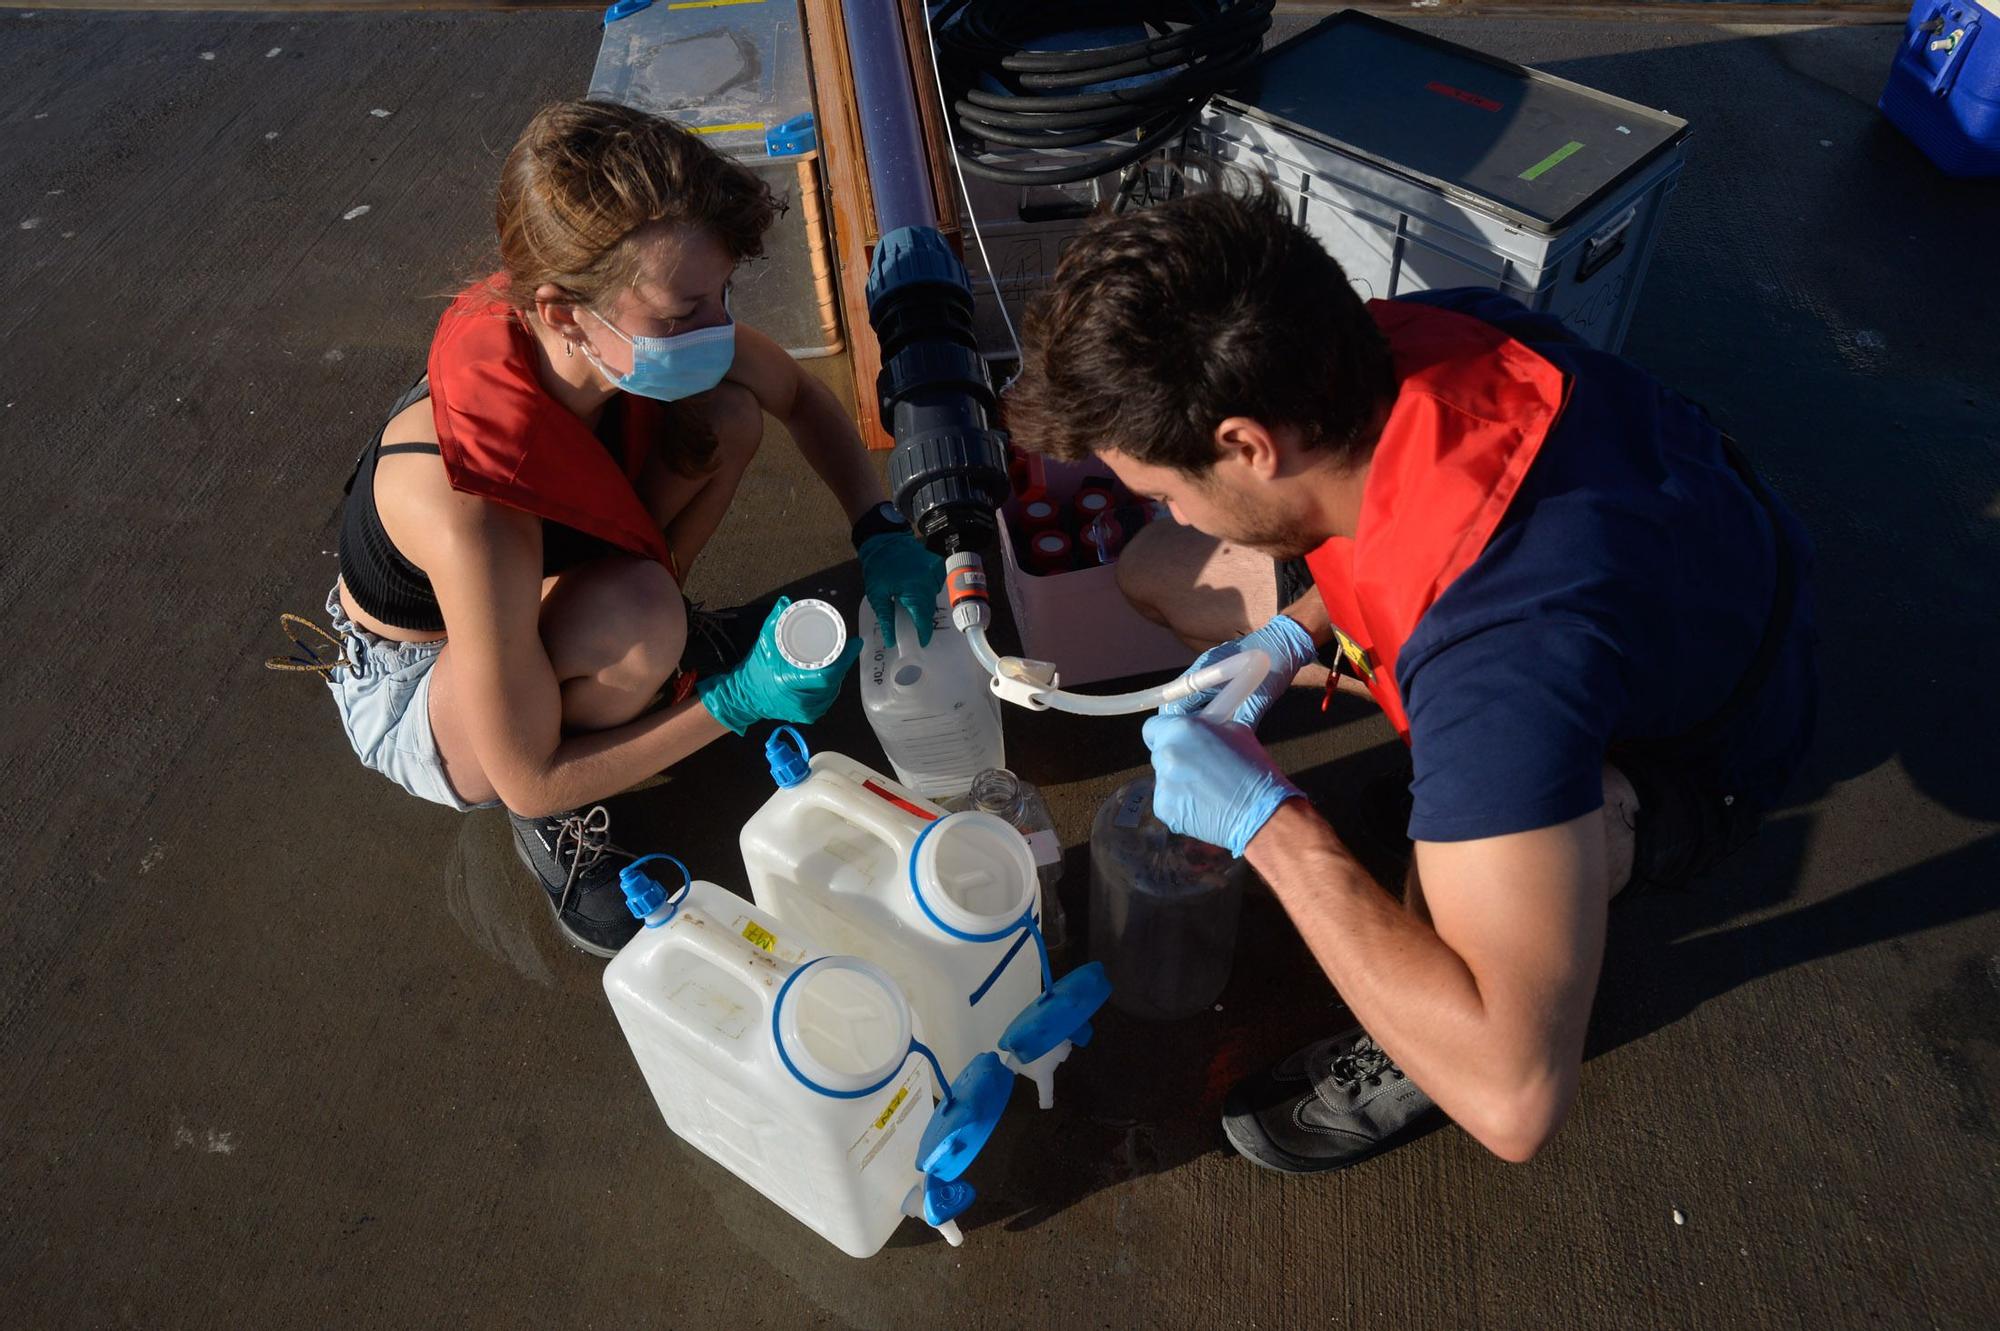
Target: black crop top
x=389 y=587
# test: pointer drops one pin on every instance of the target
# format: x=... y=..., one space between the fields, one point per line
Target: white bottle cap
x=811 y=634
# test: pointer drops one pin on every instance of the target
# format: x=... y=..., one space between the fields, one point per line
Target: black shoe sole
x=1249 y=1141
x=574 y=939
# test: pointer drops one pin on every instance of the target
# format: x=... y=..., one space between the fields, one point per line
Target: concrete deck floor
x=284 y=1047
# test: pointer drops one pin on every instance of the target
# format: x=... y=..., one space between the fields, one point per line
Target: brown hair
x=585 y=175
x=1162 y=323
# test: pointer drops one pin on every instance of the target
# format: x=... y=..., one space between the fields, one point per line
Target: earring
x=569 y=348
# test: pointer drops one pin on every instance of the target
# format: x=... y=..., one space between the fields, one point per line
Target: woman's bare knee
x=1204 y=589
x=619 y=621
x=1139 y=569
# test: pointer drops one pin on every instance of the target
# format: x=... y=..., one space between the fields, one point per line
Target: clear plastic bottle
x=998 y=791
x=932 y=708
x=1163 y=909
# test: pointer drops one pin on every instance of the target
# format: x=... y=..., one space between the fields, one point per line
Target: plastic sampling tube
x=1235 y=676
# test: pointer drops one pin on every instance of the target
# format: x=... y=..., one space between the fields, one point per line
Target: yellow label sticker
x=759 y=936
x=736 y=128
x=1357 y=656
x=883 y=1120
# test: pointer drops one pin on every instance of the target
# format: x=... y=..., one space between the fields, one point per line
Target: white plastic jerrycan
x=933 y=708
x=795 y=1070
x=945 y=903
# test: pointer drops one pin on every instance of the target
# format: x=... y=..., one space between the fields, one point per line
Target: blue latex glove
x=1291 y=650
x=1213 y=782
x=896 y=570
x=764 y=686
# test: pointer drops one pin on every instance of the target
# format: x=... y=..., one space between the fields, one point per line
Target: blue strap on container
x=1026 y=922
x=644 y=895
x=777 y=1042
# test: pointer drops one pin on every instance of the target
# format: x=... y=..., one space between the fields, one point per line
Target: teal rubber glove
x=896 y=570
x=764 y=686
x=1213 y=782
x=1291 y=650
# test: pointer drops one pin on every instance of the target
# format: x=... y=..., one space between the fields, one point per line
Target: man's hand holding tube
x=1291 y=650
x=1213 y=781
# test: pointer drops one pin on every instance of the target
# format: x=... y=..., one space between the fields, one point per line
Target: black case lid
x=1534 y=148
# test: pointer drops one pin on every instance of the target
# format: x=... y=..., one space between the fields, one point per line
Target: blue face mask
x=671 y=368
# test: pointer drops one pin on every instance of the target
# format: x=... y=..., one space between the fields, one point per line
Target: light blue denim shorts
x=385 y=706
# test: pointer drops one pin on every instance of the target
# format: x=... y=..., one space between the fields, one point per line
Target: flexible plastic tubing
x=1244 y=669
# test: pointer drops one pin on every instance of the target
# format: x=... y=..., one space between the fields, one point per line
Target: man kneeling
x=1584 y=614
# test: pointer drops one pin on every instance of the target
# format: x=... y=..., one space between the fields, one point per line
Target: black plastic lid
x=1536 y=149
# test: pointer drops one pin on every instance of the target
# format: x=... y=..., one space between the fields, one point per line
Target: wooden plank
x=930 y=121
x=849 y=202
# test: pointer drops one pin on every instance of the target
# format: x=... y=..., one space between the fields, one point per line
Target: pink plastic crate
x=1080 y=620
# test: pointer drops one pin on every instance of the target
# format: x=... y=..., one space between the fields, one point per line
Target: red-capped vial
x=1040 y=514
x=1113 y=492
x=1049 y=552
x=1089 y=506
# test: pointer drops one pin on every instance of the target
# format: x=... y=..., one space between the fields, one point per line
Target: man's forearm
x=1309 y=613
x=1406 y=987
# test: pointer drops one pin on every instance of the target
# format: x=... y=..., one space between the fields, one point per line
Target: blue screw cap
x=643 y=893
x=909 y=255
x=790 y=763
x=945 y=1200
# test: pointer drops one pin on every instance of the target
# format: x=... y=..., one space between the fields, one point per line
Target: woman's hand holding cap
x=764 y=686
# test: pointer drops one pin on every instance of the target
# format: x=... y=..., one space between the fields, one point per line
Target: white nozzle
x=951 y=1233
x=1042 y=1072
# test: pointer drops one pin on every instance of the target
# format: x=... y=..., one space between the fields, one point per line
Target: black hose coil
x=1199 y=45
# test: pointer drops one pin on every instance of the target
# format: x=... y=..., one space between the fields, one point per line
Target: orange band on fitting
x=966 y=584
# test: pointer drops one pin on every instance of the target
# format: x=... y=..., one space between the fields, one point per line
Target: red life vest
x=1471 y=413
x=504 y=438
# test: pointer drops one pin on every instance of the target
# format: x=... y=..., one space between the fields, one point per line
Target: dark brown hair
x=1161 y=324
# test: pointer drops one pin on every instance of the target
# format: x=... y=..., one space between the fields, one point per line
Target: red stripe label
x=899 y=801
x=1461 y=95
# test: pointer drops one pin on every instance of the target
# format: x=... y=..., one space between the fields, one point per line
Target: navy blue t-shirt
x=1622 y=597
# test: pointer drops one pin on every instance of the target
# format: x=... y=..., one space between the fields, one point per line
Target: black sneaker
x=1331 y=1105
x=718 y=639
x=572 y=855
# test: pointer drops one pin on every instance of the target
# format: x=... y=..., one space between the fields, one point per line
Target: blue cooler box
x=1944 y=89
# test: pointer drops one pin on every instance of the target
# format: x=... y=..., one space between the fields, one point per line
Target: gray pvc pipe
x=898 y=167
